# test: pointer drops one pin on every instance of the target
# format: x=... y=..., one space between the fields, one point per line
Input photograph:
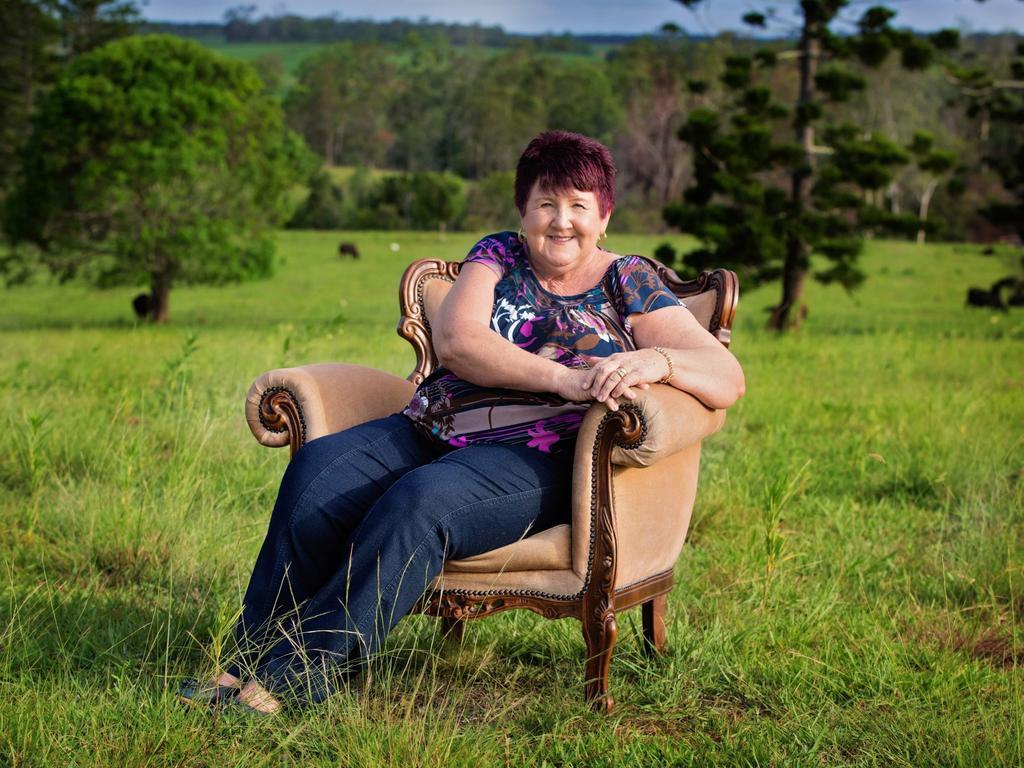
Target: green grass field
x=886 y=628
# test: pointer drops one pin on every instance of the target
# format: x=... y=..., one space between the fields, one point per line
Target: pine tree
x=763 y=206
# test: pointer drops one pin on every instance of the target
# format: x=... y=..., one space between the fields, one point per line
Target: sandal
x=195 y=692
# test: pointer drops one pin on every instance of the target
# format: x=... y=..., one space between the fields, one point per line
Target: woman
x=537 y=327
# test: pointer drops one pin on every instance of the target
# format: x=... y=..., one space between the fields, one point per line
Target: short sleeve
x=639 y=289
x=496 y=251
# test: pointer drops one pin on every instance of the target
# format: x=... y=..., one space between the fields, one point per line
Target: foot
x=210 y=692
x=229 y=681
x=255 y=696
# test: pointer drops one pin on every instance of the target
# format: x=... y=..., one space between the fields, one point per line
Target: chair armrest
x=291 y=406
x=634 y=482
x=670 y=420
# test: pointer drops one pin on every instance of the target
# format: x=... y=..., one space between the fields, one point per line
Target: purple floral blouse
x=560 y=328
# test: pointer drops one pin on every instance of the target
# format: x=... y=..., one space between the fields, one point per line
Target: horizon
x=600 y=17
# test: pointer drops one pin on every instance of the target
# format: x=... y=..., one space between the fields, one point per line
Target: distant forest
x=422 y=97
x=401 y=98
x=241 y=25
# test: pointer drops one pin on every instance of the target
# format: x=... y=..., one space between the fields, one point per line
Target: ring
x=622 y=372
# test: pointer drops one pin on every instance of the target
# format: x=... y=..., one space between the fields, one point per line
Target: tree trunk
x=893 y=195
x=922 y=214
x=159 y=308
x=794 y=268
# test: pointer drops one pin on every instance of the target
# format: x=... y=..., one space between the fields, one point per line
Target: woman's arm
x=466 y=345
x=701 y=365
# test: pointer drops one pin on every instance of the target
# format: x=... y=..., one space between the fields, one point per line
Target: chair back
x=711 y=297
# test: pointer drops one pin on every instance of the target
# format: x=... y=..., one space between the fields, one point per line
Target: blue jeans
x=364 y=521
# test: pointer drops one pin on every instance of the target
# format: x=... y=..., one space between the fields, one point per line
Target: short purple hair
x=560 y=161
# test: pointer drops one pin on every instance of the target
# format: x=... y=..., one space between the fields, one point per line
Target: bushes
x=421 y=200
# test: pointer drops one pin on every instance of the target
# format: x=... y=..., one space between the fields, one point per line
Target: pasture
x=851 y=593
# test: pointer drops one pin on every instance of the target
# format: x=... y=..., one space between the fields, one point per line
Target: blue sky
x=608 y=16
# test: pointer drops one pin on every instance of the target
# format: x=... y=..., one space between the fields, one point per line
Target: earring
x=521 y=235
x=602 y=237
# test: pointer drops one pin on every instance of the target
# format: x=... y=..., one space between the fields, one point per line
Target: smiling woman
x=537 y=328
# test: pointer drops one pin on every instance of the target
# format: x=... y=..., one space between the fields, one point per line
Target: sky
x=600 y=16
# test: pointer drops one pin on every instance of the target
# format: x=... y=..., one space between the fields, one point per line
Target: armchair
x=634 y=479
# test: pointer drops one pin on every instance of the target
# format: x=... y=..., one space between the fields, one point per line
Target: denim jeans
x=364 y=521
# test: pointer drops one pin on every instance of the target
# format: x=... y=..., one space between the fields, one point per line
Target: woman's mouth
x=559 y=239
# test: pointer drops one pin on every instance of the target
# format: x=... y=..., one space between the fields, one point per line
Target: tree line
x=771 y=152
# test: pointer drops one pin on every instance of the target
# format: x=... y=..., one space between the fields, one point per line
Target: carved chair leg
x=453 y=629
x=653 y=610
x=600 y=636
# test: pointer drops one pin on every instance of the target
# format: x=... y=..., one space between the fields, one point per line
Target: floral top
x=560 y=328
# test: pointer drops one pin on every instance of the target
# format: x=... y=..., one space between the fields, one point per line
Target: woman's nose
x=563 y=219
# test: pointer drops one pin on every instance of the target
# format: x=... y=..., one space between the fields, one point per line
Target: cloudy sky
x=608 y=16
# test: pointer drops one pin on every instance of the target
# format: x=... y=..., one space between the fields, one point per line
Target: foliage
x=340 y=103
x=242 y=25
x=88 y=24
x=764 y=206
x=36 y=37
x=420 y=200
x=891 y=633
x=154 y=159
x=27 y=36
x=1002 y=102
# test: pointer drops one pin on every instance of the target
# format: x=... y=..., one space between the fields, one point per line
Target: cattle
x=143 y=305
x=348 y=249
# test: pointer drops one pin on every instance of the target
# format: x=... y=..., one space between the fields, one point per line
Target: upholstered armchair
x=634 y=480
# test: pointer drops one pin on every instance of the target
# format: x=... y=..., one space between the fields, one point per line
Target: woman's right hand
x=573 y=383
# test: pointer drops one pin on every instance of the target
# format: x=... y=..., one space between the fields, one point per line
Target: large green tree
x=154 y=159
x=765 y=206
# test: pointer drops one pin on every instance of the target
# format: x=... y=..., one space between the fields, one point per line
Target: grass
x=850 y=593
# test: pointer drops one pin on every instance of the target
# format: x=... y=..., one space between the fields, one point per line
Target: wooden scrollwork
x=723 y=282
x=413 y=325
x=465 y=607
x=280 y=412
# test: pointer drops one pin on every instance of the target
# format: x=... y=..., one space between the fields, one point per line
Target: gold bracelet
x=671 y=368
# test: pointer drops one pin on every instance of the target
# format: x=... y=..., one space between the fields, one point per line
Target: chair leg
x=600 y=635
x=453 y=629
x=655 y=640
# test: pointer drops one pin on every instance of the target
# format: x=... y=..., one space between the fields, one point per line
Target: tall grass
x=850 y=593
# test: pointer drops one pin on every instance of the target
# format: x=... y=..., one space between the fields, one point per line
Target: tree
x=154 y=159
x=28 y=37
x=997 y=103
x=36 y=36
x=341 y=101
x=88 y=24
x=934 y=164
x=764 y=206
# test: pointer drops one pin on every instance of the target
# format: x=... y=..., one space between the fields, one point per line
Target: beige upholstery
x=652 y=505
x=434 y=292
x=333 y=397
x=547 y=550
x=701 y=306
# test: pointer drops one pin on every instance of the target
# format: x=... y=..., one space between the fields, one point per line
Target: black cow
x=143 y=305
x=348 y=249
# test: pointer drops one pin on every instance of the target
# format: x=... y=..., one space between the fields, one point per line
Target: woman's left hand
x=617 y=375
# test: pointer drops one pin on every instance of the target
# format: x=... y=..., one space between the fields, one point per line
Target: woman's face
x=562 y=228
